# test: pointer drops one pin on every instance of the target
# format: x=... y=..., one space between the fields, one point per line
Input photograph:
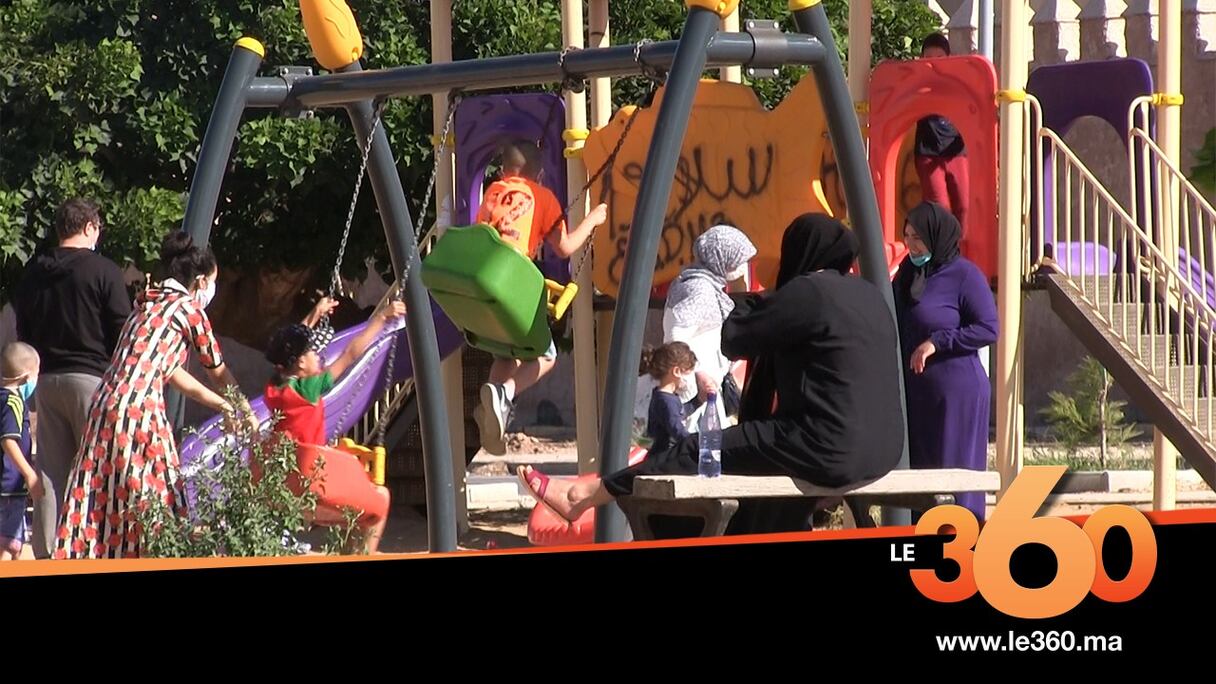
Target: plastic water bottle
x=709 y=430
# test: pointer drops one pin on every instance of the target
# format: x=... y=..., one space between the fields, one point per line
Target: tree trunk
x=1102 y=426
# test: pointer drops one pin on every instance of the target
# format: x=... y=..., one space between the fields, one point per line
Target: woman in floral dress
x=128 y=453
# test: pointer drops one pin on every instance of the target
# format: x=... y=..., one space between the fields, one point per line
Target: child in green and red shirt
x=296 y=391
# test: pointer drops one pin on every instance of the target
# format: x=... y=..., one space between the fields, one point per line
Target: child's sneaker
x=493 y=417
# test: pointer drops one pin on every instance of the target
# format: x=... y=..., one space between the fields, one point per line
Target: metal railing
x=1162 y=318
x=1158 y=186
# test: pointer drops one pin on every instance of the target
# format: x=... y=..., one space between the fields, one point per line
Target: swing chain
x=570 y=82
x=376 y=436
x=654 y=74
x=377 y=116
x=657 y=77
x=609 y=162
x=454 y=99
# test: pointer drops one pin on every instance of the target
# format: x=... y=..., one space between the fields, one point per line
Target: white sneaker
x=493 y=418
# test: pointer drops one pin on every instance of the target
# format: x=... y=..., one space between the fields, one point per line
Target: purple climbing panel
x=483 y=122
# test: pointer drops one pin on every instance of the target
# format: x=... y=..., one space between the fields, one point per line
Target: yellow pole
x=1009 y=349
x=860 y=16
x=733 y=74
x=601 y=112
x=1169 y=79
x=452 y=368
x=586 y=392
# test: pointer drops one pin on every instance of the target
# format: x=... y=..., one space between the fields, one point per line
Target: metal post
x=217 y=141
x=985 y=28
x=209 y=174
x=420 y=328
x=599 y=326
x=453 y=366
x=858 y=186
x=1009 y=348
x=586 y=389
x=1169 y=76
x=731 y=74
x=545 y=67
x=859 y=55
x=601 y=113
x=632 y=300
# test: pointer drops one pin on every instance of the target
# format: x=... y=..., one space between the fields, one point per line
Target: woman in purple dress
x=946 y=315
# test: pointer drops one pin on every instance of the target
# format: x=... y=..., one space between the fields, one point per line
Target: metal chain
x=365 y=375
x=377 y=116
x=391 y=364
x=657 y=77
x=609 y=162
x=335 y=280
x=652 y=73
x=569 y=81
x=453 y=103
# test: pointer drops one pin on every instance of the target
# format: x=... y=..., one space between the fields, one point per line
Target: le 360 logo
x=983 y=557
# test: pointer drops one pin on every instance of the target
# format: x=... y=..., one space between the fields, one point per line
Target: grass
x=1132 y=456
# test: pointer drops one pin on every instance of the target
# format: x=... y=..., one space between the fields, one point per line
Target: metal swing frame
x=700 y=46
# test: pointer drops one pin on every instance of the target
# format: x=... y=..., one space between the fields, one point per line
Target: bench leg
x=857 y=513
x=858 y=507
x=715 y=514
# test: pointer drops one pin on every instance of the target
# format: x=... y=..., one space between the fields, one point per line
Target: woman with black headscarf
x=946 y=315
x=822 y=403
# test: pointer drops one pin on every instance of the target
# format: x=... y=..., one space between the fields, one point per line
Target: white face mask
x=206 y=294
x=684 y=381
x=736 y=274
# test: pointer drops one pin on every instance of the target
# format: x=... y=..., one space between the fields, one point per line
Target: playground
x=1127 y=271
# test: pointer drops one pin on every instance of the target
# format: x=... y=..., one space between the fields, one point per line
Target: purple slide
x=356 y=390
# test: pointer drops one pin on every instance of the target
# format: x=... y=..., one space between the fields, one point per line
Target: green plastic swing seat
x=494 y=294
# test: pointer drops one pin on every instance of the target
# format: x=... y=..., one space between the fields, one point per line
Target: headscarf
x=697 y=297
x=812 y=242
x=815 y=242
x=941 y=232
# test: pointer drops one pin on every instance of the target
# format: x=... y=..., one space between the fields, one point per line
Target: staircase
x=1148 y=315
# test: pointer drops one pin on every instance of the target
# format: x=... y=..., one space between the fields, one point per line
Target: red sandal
x=537 y=483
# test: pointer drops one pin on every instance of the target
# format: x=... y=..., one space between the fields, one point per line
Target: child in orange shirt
x=525 y=214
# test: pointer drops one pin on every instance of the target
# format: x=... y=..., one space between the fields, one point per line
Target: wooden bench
x=715 y=500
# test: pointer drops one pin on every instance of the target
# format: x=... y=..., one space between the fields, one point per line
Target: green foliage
x=1203 y=173
x=1086 y=414
x=110 y=99
x=234 y=514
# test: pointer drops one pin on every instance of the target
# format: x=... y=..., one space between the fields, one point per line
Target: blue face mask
x=921 y=260
x=26 y=390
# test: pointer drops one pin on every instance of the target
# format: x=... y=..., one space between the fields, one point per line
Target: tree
x=1203 y=173
x=1087 y=414
x=110 y=98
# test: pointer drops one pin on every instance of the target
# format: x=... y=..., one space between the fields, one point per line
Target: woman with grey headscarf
x=697 y=303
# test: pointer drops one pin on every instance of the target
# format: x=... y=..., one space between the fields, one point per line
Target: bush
x=1087 y=415
x=234 y=514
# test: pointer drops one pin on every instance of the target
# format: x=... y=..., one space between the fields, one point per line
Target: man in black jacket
x=71 y=305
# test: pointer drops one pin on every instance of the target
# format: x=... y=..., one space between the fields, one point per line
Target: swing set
x=497 y=297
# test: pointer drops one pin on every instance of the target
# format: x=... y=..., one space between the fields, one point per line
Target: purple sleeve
x=978 y=322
